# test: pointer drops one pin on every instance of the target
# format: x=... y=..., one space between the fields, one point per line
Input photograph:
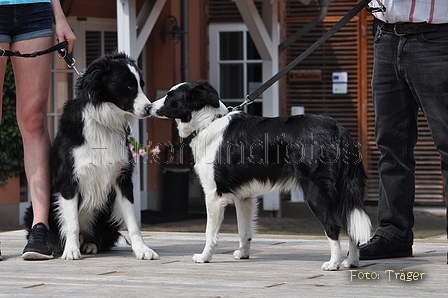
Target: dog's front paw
x=145 y=253
x=89 y=248
x=330 y=266
x=201 y=258
x=71 y=254
x=240 y=255
x=349 y=264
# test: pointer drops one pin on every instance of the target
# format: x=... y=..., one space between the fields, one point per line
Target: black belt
x=401 y=29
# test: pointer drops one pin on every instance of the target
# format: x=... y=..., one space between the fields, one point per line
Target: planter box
x=10 y=192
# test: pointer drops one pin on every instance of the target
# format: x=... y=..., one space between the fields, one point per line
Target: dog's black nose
x=148 y=108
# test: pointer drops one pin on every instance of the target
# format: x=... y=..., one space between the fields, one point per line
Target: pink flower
x=141 y=152
x=156 y=150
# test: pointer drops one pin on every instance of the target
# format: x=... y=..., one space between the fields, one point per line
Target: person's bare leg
x=32 y=76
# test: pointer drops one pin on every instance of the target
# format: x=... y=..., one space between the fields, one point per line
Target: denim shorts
x=25 y=21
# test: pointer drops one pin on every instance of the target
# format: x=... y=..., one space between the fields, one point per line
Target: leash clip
x=246 y=102
x=69 y=60
x=2 y=52
x=381 y=7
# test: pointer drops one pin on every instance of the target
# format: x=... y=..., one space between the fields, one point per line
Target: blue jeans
x=409 y=72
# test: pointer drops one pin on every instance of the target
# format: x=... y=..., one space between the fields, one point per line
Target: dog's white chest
x=99 y=162
x=205 y=147
x=97 y=170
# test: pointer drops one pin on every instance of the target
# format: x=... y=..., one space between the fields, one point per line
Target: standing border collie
x=91 y=163
x=240 y=156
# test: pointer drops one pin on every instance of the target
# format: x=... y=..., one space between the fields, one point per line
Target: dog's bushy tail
x=351 y=186
x=359 y=226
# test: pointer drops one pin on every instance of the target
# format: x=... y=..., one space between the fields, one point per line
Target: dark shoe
x=381 y=248
x=1 y=258
x=39 y=244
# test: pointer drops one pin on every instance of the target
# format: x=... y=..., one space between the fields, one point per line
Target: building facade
x=214 y=41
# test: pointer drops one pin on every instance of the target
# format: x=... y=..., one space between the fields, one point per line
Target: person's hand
x=62 y=28
x=64 y=32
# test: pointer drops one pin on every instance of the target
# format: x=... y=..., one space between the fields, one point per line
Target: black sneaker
x=39 y=244
x=380 y=248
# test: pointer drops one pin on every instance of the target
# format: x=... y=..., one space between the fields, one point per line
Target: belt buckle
x=395 y=29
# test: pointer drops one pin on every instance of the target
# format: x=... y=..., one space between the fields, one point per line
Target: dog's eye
x=131 y=87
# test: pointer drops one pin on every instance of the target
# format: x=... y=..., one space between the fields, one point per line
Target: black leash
x=354 y=11
x=60 y=48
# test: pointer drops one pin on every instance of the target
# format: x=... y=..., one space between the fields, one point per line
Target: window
x=235 y=65
x=99 y=43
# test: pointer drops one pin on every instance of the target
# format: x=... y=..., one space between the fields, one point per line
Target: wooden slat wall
x=338 y=54
x=225 y=11
x=343 y=52
x=373 y=153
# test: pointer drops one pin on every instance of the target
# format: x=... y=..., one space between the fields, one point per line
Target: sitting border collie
x=91 y=163
x=240 y=156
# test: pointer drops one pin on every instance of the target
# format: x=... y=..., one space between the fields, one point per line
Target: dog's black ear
x=88 y=86
x=205 y=94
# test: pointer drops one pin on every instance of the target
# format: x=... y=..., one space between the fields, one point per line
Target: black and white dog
x=91 y=163
x=240 y=156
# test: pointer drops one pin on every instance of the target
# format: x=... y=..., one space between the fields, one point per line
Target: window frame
x=214 y=61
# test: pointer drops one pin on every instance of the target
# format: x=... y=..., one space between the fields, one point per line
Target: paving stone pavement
x=280 y=266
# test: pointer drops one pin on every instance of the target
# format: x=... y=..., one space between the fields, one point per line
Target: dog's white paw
x=71 y=254
x=201 y=258
x=240 y=255
x=89 y=248
x=349 y=264
x=330 y=266
x=145 y=253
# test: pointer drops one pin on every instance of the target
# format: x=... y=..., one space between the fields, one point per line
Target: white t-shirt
x=414 y=11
